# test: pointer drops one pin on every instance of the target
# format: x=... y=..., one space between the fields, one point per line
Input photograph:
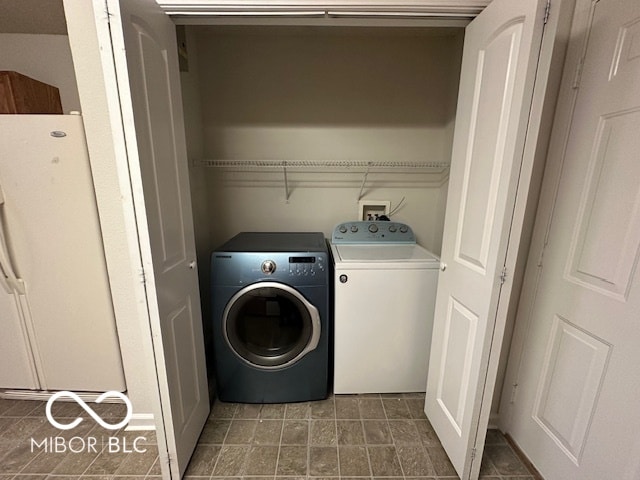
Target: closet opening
x=327 y=102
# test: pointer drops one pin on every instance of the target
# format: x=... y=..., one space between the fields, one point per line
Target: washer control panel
x=360 y=232
x=292 y=268
x=306 y=265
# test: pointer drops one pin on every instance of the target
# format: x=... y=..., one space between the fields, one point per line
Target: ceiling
x=32 y=16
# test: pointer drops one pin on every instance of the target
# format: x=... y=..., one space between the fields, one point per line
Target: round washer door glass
x=271 y=325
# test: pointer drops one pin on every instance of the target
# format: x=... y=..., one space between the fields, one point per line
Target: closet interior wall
x=318 y=94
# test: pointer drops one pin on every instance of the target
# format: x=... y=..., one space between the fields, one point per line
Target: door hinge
x=473 y=454
x=503 y=275
x=170 y=460
x=547 y=9
x=106 y=10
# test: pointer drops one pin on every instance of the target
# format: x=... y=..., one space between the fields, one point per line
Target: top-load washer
x=271 y=317
x=385 y=289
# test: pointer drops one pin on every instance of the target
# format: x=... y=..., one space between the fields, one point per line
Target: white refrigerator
x=57 y=325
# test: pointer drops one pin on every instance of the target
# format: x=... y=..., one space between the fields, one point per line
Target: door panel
x=605 y=246
x=460 y=330
x=182 y=364
x=498 y=71
x=575 y=411
x=495 y=79
x=149 y=89
x=574 y=367
x=156 y=139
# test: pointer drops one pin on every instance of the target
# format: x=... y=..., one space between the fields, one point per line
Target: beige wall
x=326 y=94
x=317 y=94
x=46 y=58
x=236 y=208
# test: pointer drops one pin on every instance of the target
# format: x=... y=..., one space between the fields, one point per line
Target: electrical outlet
x=373 y=209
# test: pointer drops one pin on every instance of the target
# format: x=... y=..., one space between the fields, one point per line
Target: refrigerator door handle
x=10 y=282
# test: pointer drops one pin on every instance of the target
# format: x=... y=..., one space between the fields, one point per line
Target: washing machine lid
x=385 y=254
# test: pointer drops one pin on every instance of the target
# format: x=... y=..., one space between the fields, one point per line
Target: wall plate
x=372 y=209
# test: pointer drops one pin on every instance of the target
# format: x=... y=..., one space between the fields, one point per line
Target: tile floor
x=24 y=420
x=359 y=437
x=366 y=436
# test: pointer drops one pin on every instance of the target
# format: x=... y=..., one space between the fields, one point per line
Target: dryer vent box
x=372 y=209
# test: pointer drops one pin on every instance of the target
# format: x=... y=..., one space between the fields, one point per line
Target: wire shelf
x=322 y=164
x=363 y=167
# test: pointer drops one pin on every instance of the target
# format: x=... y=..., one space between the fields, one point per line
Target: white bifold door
x=145 y=56
x=576 y=412
x=499 y=63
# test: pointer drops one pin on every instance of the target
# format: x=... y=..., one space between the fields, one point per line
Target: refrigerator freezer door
x=55 y=245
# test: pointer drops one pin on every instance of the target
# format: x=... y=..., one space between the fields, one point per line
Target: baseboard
x=44 y=395
x=141 y=421
x=530 y=466
x=493 y=421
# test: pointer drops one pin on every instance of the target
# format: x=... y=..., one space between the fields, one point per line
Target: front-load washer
x=271 y=317
x=384 y=300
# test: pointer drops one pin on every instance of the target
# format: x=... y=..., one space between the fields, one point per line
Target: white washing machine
x=385 y=290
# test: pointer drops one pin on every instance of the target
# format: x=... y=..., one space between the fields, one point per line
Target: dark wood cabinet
x=22 y=94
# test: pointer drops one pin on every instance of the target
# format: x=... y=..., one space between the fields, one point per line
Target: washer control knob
x=268 y=267
x=404 y=229
x=393 y=228
x=342 y=229
x=373 y=228
x=354 y=228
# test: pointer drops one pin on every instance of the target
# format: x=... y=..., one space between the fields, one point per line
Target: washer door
x=270 y=325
